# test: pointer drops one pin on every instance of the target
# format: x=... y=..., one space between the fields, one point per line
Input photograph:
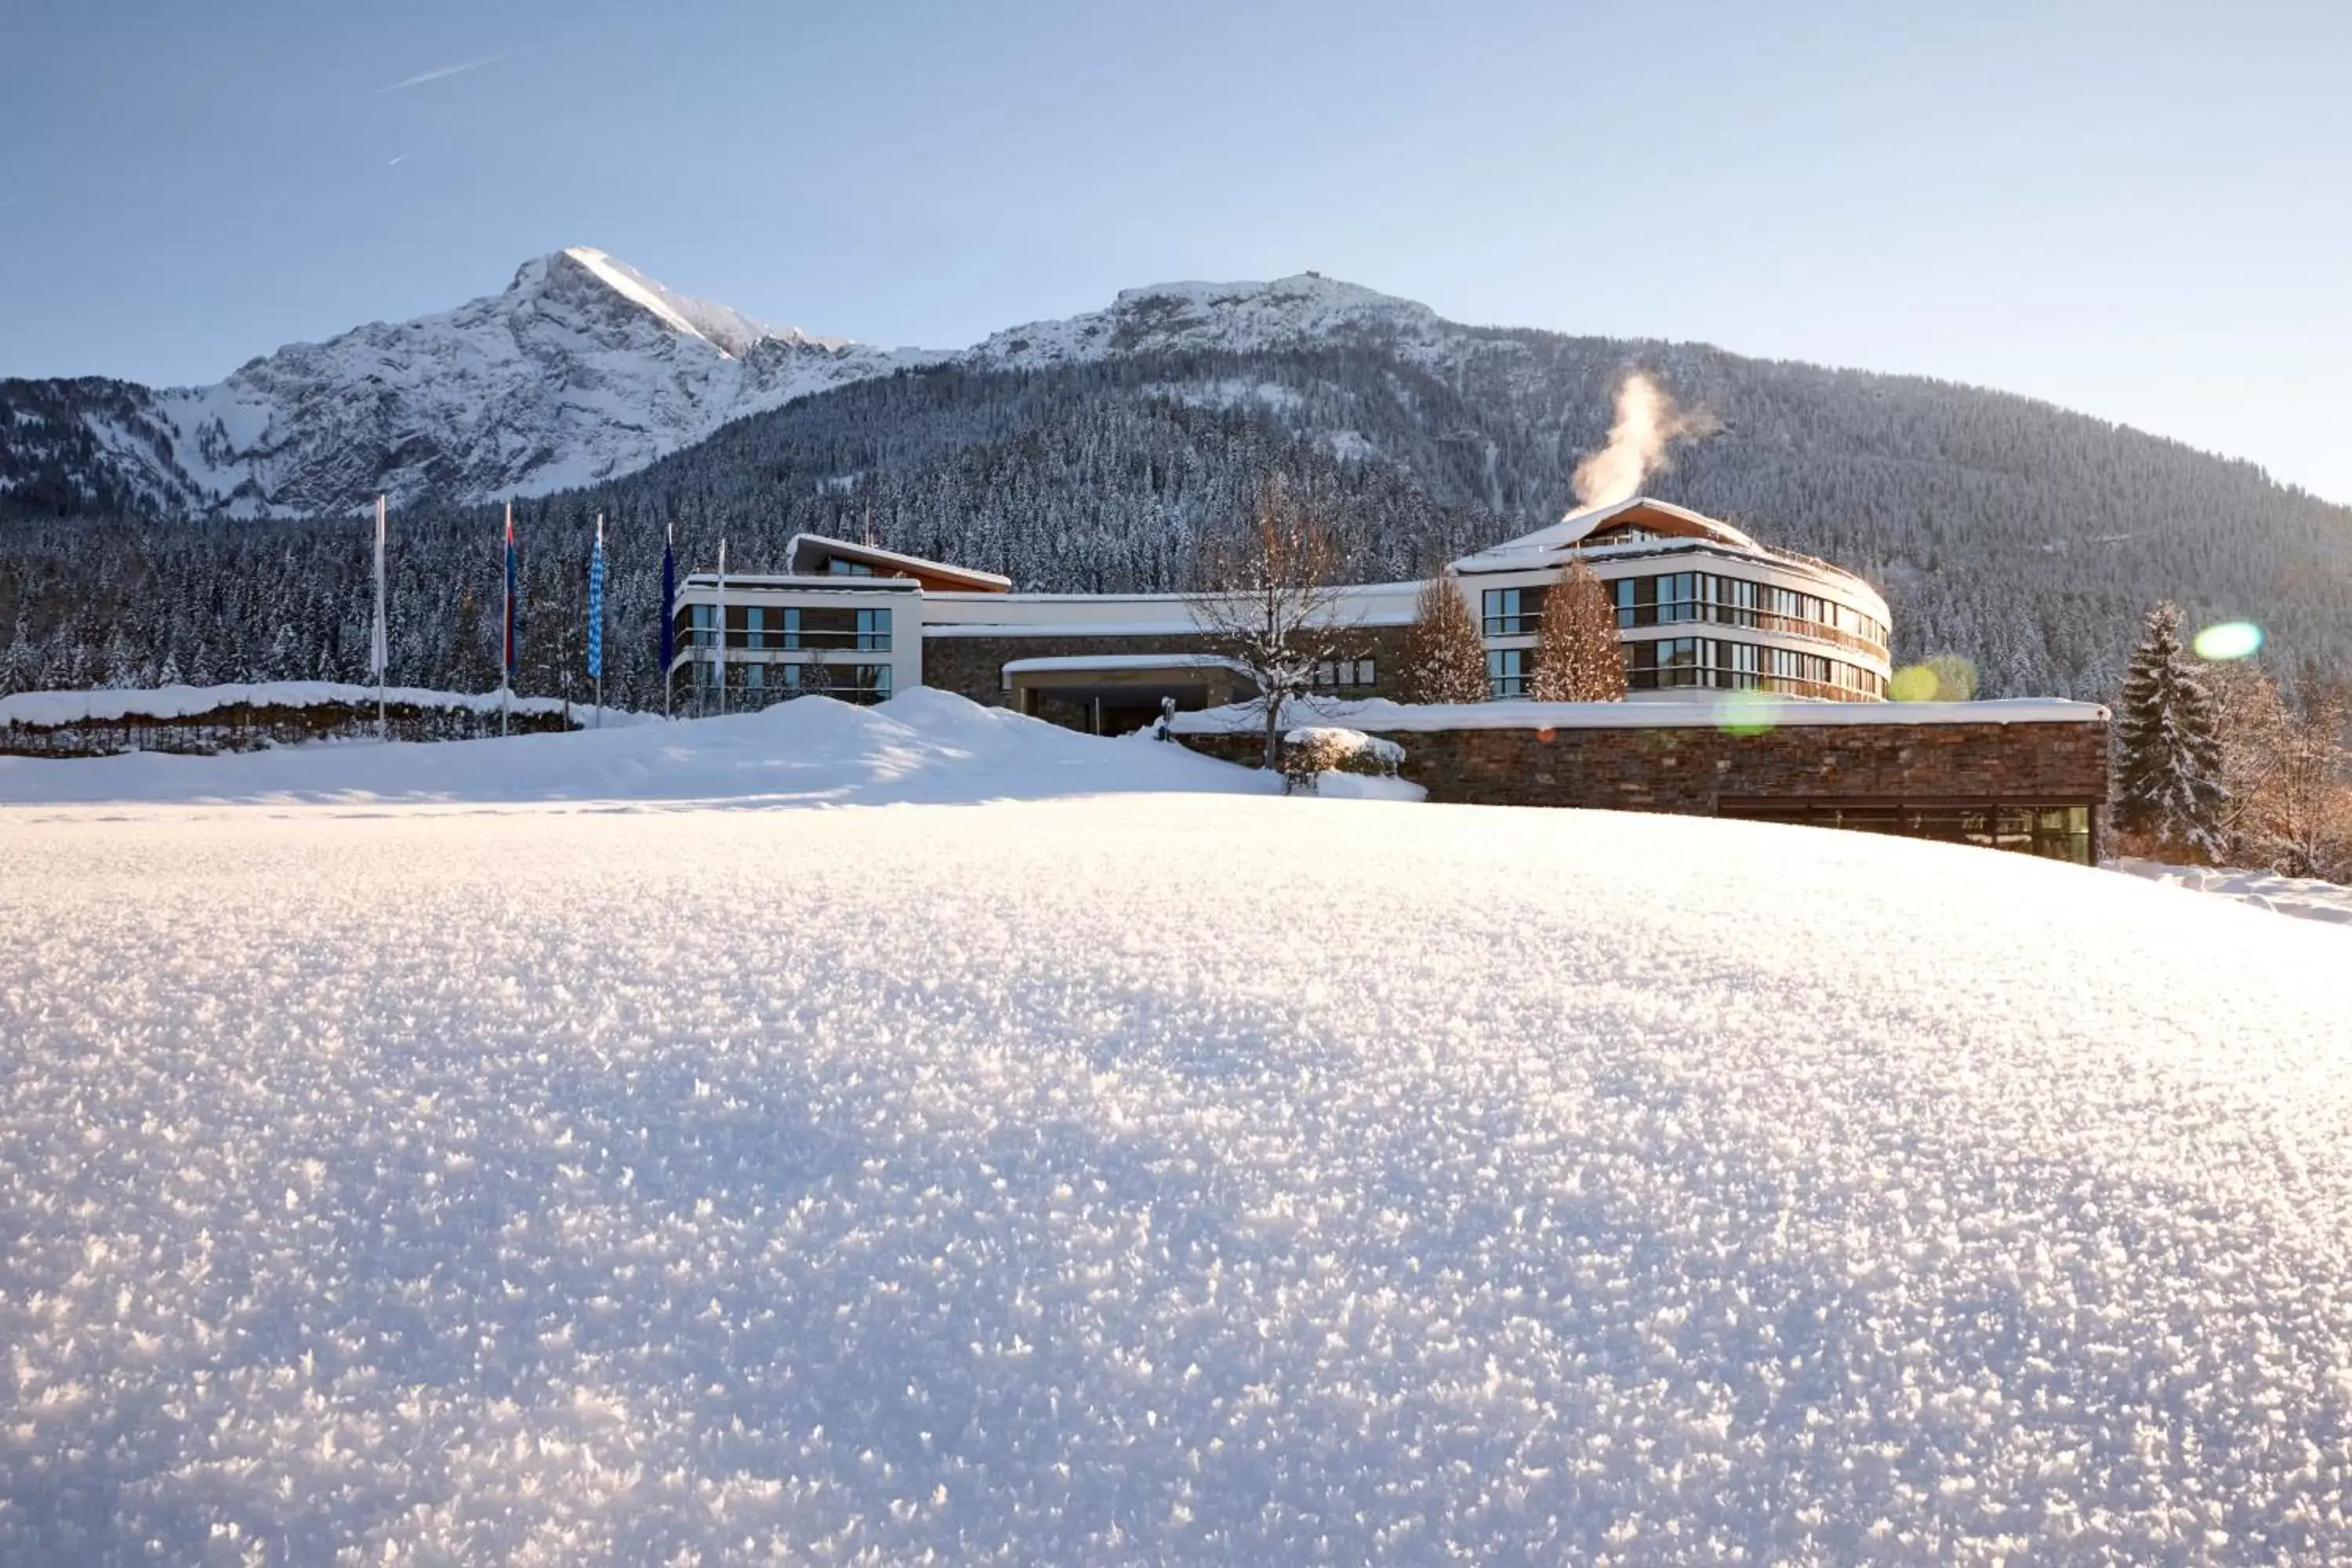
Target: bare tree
x=1445 y=658
x=1578 y=658
x=2288 y=774
x=1272 y=602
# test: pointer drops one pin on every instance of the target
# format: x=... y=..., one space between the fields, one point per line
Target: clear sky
x=2143 y=210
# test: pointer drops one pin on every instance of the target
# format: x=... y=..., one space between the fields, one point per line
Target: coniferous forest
x=2017 y=535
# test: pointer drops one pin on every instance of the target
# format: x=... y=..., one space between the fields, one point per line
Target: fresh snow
x=923 y=745
x=1171 y=1177
x=2306 y=898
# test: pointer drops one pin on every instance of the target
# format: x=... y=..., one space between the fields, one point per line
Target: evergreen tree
x=1444 y=659
x=1577 y=658
x=2168 y=760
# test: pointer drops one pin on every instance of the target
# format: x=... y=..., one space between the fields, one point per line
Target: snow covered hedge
x=203 y=719
x=1310 y=753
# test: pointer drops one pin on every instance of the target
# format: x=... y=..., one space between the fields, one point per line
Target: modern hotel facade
x=1700 y=606
x=1705 y=614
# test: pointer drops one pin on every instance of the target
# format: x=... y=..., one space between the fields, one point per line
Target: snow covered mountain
x=1229 y=318
x=582 y=369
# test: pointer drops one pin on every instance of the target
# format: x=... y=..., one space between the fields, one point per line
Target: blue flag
x=596 y=605
x=669 y=604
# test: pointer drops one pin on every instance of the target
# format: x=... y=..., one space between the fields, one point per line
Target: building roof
x=1744 y=710
x=805 y=548
x=1548 y=546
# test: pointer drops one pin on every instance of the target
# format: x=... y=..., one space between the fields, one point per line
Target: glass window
x=836 y=566
x=874 y=631
x=1677 y=598
x=1512 y=612
x=1508 y=670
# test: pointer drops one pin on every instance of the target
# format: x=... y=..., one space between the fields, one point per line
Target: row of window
x=1678 y=596
x=2057 y=831
x=787 y=627
x=1346 y=675
x=1671 y=663
x=1708 y=596
x=849 y=682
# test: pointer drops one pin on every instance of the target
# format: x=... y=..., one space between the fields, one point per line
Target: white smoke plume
x=1647 y=419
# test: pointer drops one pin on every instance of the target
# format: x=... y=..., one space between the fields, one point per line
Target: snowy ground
x=926 y=745
x=1146 y=1178
x=2299 y=896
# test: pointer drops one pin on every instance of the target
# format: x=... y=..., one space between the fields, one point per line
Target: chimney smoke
x=1647 y=420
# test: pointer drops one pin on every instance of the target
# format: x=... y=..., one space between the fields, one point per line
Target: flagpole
x=669 y=609
x=506 y=639
x=380 y=651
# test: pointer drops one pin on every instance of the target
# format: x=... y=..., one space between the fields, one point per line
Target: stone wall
x=1694 y=769
x=974 y=666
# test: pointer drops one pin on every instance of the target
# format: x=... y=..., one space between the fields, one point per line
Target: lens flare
x=1938 y=677
x=1914 y=683
x=2230 y=639
x=1746 y=713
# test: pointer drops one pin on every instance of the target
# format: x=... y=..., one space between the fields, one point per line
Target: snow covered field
x=1150 y=1177
x=2301 y=897
x=925 y=745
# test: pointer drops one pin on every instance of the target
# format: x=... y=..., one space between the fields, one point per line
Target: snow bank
x=54 y=708
x=1174 y=1179
x=924 y=745
x=2301 y=897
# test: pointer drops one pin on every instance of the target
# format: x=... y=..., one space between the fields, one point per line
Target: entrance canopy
x=1113 y=693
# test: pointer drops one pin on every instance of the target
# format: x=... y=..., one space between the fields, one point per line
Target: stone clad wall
x=1694 y=769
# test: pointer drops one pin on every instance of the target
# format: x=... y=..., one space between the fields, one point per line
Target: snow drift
x=923 y=745
x=1165 y=1178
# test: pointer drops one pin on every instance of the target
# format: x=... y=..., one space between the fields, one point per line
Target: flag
x=669 y=600
x=379 y=658
x=514 y=601
x=718 y=640
x=596 y=605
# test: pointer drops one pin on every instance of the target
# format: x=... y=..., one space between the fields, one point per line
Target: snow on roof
x=1695 y=712
x=1051 y=663
x=876 y=556
x=1545 y=545
x=49 y=709
x=812 y=582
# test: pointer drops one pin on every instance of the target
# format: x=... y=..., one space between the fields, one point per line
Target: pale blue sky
x=2140 y=210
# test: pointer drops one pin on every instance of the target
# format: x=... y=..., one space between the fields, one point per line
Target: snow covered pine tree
x=1444 y=660
x=2169 y=787
x=1577 y=653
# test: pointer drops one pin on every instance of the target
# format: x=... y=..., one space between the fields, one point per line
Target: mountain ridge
x=1103 y=452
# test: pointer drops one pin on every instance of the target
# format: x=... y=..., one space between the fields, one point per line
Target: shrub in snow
x=1577 y=656
x=1443 y=661
x=1308 y=753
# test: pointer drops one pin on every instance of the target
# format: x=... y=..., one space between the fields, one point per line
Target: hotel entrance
x=1117 y=694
